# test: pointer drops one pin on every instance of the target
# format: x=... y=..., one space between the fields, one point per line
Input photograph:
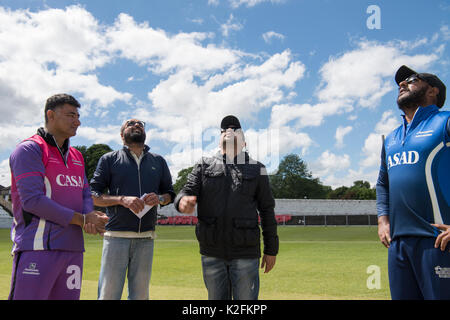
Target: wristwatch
x=161 y=199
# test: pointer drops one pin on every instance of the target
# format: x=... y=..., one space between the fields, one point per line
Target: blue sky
x=305 y=77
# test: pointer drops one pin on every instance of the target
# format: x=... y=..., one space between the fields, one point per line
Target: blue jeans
x=120 y=255
x=227 y=279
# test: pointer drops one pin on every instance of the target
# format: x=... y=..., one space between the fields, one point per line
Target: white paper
x=145 y=210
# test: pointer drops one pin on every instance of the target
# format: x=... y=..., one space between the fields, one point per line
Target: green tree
x=337 y=193
x=91 y=156
x=361 y=184
x=359 y=191
x=181 y=179
x=293 y=180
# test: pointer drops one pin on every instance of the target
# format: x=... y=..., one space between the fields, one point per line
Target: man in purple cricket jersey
x=51 y=205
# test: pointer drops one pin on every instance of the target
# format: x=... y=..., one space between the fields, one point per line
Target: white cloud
x=341 y=132
x=269 y=35
x=213 y=2
x=329 y=162
x=11 y=135
x=56 y=50
x=184 y=158
x=445 y=31
x=373 y=143
x=164 y=53
x=347 y=179
x=107 y=135
x=230 y=25
x=306 y=115
x=364 y=75
x=198 y=21
x=358 y=78
x=47 y=52
x=242 y=89
x=250 y=3
x=335 y=170
x=267 y=145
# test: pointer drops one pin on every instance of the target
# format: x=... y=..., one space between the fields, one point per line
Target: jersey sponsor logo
x=69 y=181
x=400 y=158
x=76 y=162
x=424 y=134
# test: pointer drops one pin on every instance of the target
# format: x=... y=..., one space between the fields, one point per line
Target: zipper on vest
x=133 y=156
x=117 y=194
x=60 y=152
x=228 y=178
x=140 y=190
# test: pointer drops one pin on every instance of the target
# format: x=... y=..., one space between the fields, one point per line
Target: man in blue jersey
x=413 y=191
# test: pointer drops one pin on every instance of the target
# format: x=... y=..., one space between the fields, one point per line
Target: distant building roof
x=321 y=207
x=309 y=207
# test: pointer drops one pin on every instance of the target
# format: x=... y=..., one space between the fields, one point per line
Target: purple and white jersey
x=47 y=187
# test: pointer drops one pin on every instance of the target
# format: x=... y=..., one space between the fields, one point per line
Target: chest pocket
x=249 y=181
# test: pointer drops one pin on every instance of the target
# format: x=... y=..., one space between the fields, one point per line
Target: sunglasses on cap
x=132 y=123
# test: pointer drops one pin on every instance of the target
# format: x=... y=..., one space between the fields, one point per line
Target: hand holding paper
x=133 y=203
x=147 y=207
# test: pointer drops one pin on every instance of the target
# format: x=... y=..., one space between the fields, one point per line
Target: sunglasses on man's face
x=412 y=79
x=232 y=128
x=132 y=123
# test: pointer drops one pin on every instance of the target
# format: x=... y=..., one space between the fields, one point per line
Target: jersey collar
x=421 y=114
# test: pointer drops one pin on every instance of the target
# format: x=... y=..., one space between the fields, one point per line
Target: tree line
x=292 y=179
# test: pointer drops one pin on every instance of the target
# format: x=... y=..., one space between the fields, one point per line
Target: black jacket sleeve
x=193 y=184
x=266 y=207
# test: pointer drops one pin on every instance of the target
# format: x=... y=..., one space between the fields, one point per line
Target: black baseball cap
x=404 y=72
x=229 y=121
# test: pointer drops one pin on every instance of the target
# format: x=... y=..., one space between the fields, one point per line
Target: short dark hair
x=57 y=101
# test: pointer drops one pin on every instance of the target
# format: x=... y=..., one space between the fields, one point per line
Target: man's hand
x=95 y=222
x=444 y=237
x=268 y=262
x=384 y=231
x=135 y=204
x=187 y=204
x=151 y=199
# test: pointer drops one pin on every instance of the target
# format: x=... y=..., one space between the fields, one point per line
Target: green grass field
x=313 y=263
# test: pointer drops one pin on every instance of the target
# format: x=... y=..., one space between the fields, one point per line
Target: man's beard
x=134 y=137
x=412 y=100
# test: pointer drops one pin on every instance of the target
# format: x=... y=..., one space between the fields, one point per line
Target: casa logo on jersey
x=69 y=181
x=401 y=158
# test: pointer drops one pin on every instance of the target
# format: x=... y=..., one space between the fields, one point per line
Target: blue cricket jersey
x=413 y=185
